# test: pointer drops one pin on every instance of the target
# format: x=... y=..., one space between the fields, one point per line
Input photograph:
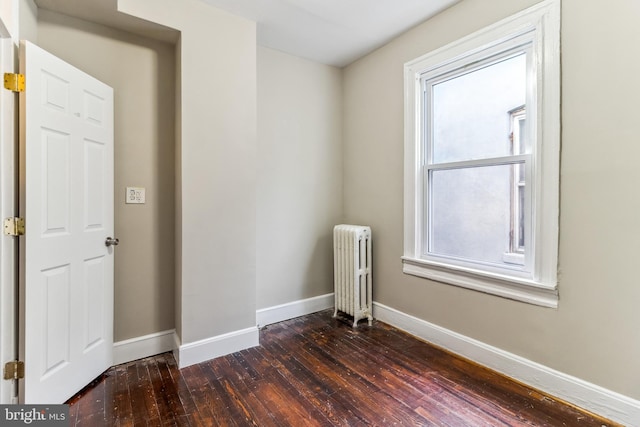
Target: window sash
x=523 y=44
x=525 y=270
x=518 y=183
x=469 y=63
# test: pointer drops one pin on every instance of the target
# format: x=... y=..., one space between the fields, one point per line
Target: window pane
x=520 y=218
x=471 y=213
x=471 y=112
x=522 y=136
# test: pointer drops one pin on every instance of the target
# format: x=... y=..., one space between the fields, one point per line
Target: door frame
x=8 y=208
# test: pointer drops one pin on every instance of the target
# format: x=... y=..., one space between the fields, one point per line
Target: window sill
x=524 y=290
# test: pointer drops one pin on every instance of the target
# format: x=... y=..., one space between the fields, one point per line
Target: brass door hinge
x=14 y=226
x=14 y=370
x=14 y=82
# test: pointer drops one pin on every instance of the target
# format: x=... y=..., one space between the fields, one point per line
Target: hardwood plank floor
x=318 y=371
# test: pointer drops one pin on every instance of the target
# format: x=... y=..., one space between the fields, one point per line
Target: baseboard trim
x=141 y=347
x=279 y=313
x=221 y=345
x=593 y=398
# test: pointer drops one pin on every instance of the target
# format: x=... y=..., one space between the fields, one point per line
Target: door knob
x=111 y=242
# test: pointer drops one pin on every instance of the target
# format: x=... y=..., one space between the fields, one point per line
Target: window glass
x=475 y=212
x=470 y=212
x=470 y=111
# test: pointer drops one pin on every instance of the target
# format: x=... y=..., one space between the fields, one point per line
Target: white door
x=66 y=170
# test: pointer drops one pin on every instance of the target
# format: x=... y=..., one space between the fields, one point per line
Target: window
x=482 y=159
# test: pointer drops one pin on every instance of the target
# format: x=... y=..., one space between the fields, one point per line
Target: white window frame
x=541 y=25
x=515 y=254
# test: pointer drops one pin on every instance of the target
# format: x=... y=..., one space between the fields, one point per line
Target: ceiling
x=334 y=32
x=105 y=12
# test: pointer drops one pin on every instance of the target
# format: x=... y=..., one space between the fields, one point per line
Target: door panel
x=94 y=160
x=67 y=201
x=94 y=294
x=56 y=184
x=57 y=334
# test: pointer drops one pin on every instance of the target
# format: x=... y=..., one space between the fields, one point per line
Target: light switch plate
x=135 y=195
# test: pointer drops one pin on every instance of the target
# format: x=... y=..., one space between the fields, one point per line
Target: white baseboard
x=141 y=347
x=221 y=345
x=278 y=313
x=593 y=398
x=192 y=353
x=196 y=352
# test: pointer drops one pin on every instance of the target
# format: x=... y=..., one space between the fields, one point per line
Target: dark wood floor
x=318 y=371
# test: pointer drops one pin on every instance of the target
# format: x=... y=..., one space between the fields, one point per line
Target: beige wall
x=217 y=180
x=299 y=176
x=593 y=334
x=141 y=71
x=28 y=20
x=300 y=109
x=178 y=189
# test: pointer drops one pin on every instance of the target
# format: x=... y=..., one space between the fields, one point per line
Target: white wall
x=299 y=171
x=6 y=14
x=20 y=19
x=593 y=333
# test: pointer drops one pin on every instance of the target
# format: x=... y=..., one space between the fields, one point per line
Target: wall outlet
x=135 y=195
